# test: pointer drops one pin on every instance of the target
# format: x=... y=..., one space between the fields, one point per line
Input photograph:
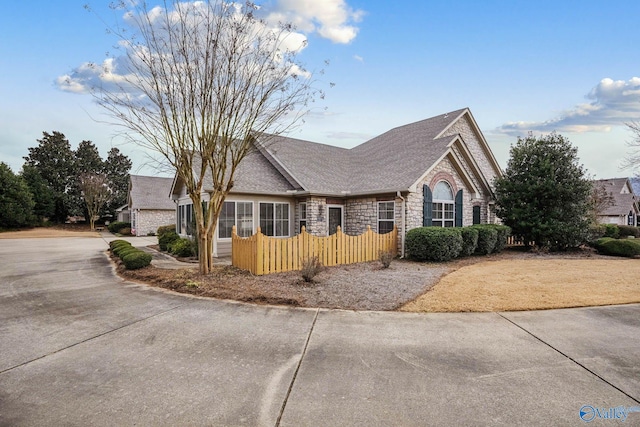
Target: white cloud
x=331 y=19
x=613 y=102
x=358 y=58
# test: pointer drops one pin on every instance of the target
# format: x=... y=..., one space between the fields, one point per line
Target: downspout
x=403 y=224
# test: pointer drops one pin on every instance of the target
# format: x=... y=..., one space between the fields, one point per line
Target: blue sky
x=520 y=66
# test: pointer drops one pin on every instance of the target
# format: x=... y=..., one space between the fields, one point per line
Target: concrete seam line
x=570 y=358
x=295 y=373
x=91 y=338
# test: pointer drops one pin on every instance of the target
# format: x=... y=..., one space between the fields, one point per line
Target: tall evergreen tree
x=16 y=204
x=40 y=191
x=544 y=195
x=54 y=159
x=117 y=168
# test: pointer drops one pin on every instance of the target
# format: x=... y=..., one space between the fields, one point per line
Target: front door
x=335 y=219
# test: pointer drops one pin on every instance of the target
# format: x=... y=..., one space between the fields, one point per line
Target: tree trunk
x=204 y=252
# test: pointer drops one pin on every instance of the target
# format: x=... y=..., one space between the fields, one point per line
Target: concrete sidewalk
x=79 y=346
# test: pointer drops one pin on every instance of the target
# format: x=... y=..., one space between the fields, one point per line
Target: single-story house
x=624 y=207
x=435 y=172
x=149 y=205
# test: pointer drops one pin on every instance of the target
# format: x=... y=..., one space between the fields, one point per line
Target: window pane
x=266 y=218
x=437 y=210
x=227 y=220
x=244 y=226
x=385 y=227
x=282 y=219
x=303 y=211
x=442 y=191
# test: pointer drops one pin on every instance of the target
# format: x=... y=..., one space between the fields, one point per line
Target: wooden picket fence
x=262 y=254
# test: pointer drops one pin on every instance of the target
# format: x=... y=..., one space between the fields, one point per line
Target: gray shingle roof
x=393 y=161
x=150 y=192
x=623 y=202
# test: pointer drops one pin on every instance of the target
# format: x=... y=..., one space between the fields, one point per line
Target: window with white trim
x=443 y=208
x=274 y=219
x=386 y=217
x=239 y=214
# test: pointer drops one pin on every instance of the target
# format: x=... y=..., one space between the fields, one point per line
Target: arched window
x=443 y=205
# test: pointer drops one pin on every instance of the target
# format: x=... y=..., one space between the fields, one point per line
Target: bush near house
x=165 y=240
x=182 y=247
x=487 y=238
x=434 y=243
x=503 y=236
x=469 y=241
x=611 y=230
x=620 y=247
x=116 y=243
x=165 y=229
x=628 y=230
x=116 y=226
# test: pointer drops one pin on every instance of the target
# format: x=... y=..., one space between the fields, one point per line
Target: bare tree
x=200 y=81
x=96 y=192
x=633 y=157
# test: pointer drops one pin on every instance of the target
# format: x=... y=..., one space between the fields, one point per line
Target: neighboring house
x=123 y=214
x=433 y=172
x=624 y=210
x=149 y=204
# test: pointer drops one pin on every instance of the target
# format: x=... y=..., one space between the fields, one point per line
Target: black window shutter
x=427 y=207
x=459 y=209
x=476 y=214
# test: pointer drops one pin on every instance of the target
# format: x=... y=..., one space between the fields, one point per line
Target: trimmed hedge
x=487 y=238
x=469 y=241
x=182 y=247
x=611 y=230
x=126 y=251
x=620 y=247
x=116 y=226
x=628 y=230
x=503 y=236
x=434 y=243
x=120 y=248
x=136 y=260
x=163 y=229
x=601 y=241
x=165 y=240
x=115 y=243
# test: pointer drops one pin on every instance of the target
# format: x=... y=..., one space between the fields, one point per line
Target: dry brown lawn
x=533 y=284
x=50 y=232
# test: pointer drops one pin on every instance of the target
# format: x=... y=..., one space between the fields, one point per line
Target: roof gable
x=150 y=192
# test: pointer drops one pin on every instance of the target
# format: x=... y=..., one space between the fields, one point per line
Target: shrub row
x=444 y=244
x=620 y=231
x=618 y=247
x=133 y=258
x=118 y=226
x=170 y=241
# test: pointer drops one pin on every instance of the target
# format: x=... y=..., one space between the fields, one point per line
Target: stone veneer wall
x=148 y=221
x=316 y=216
x=358 y=214
x=415 y=200
x=469 y=136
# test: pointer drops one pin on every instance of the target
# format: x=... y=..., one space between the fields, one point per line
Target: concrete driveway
x=79 y=346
